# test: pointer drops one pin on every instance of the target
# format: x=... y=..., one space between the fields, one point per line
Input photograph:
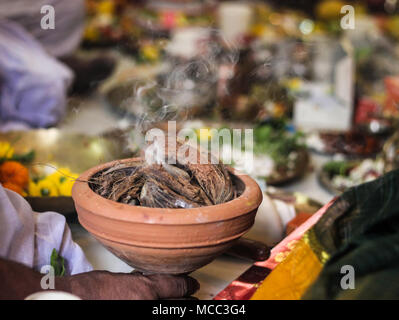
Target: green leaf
x=338 y=167
x=24 y=158
x=276 y=142
x=58 y=263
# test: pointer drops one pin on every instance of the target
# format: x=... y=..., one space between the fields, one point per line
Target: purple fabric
x=33 y=84
x=69 y=22
x=29 y=237
x=13 y=126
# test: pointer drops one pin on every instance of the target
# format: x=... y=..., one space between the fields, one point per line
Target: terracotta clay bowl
x=159 y=240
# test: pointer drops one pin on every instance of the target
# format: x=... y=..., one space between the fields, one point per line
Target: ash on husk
x=163 y=185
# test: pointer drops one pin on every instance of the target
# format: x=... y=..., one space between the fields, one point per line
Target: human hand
x=104 y=285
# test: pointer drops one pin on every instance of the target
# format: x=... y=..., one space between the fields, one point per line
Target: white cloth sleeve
x=29 y=237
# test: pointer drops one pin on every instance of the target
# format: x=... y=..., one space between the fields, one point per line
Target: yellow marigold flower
x=33 y=189
x=66 y=188
x=294 y=83
x=47 y=188
x=150 y=52
x=6 y=150
x=106 y=7
x=91 y=33
x=204 y=134
x=329 y=9
x=258 y=30
x=181 y=20
x=278 y=110
x=59 y=176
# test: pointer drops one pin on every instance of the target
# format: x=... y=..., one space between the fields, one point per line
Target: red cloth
x=297 y=221
x=245 y=286
x=366 y=110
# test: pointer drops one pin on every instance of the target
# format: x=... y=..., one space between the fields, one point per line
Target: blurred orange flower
x=15 y=175
x=13 y=187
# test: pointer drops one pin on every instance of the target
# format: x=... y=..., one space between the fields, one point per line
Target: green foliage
x=276 y=142
x=272 y=139
x=58 y=263
x=23 y=158
x=338 y=167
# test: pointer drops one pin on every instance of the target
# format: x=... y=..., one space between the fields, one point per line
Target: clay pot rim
x=86 y=198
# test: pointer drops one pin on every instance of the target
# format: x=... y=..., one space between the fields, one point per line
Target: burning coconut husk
x=172 y=181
